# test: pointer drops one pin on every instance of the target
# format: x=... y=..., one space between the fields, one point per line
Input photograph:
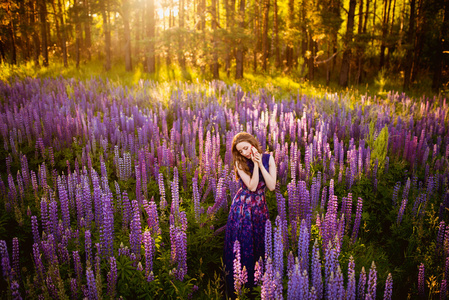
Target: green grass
x=278 y=84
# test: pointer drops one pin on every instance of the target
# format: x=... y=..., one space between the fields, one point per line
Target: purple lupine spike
x=268 y=241
x=303 y=246
x=88 y=247
x=196 y=197
x=389 y=287
x=330 y=268
x=351 y=287
x=63 y=199
x=74 y=288
x=15 y=257
x=372 y=281
x=112 y=277
x=443 y=289
x=446 y=268
x=402 y=210
x=153 y=218
x=53 y=211
x=107 y=227
x=91 y=285
x=361 y=285
x=267 y=290
x=294 y=283
x=317 y=280
x=149 y=253
x=78 y=267
x=35 y=229
x=239 y=272
x=421 y=281
x=397 y=186
x=338 y=284
x=290 y=263
x=358 y=218
x=181 y=248
x=278 y=260
x=135 y=235
x=127 y=210
x=258 y=271
x=38 y=265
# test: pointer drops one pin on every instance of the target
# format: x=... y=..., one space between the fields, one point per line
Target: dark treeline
x=346 y=41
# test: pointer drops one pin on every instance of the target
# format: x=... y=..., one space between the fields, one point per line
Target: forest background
x=331 y=42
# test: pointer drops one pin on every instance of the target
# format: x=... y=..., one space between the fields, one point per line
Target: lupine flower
x=421 y=281
x=135 y=235
x=362 y=284
x=91 y=284
x=358 y=218
x=268 y=241
x=78 y=267
x=149 y=253
x=351 y=287
x=35 y=229
x=372 y=281
x=4 y=256
x=88 y=247
x=268 y=283
x=278 y=260
x=443 y=289
x=258 y=271
x=303 y=246
x=112 y=277
x=74 y=288
x=317 y=280
x=388 y=287
x=240 y=274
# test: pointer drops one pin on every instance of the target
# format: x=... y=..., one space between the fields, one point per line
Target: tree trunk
x=107 y=35
x=78 y=33
x=345 y=64
x=150 y=56
x=127 y=36
x=256 y=27
x=385 y=19
x=410 y=50
x=311 y=64
x=239 y=55
x=214 y=65
x=421 y=32
x=276 y=35
x=360 y=48
x=87 y=31
x=12 y=35
x=265 y=44
x=62 y=34
x=290 y=25
x=43 y=24
x=34 y=33
x=442 y=44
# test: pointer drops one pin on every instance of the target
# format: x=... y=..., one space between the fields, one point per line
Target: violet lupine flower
x=421 y=281
x=443 y=289
x=126 y=211
x=149 y=253
x=181 y=248
x=351 y=287
x=389 y=287
x=88 y=247
x=240 y=274
x=446 y=269
x=394 y=199
x=303 y=246
x=358 y=218
x=15 y=293
x=295 y=284
x=35 y=229
x=112 y=277
x=317 y=280
x=73 y=288
x=258 y=271
x=107 y=227
x=78 y=267
x=196 y=197
x=268 y=241
x=330 y=268
x=38 y=265
x=268 y=283
x=4 y=256
x=153 y=218
x=338 y=284
x=79 y=201
x=290 y=263
x=63 y=199
x=278 y=257
x=440 y=235
x=15 y=257
x=135 y=236
x=362 y=284
x=372 y=281
x=91 y=284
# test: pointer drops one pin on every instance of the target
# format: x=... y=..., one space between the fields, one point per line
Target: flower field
x=109 y=191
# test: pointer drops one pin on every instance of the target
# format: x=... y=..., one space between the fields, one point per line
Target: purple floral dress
x=246 y=222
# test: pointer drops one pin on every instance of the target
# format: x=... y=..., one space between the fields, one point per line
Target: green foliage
x=379 y=147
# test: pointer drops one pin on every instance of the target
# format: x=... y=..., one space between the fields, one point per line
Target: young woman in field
x=249 y=211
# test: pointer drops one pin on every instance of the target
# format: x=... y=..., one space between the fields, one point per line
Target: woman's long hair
x=237 y=158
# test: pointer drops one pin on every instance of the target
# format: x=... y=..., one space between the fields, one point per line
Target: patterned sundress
x=246 y=222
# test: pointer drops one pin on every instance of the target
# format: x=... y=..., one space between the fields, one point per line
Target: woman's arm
x=269 y=176
x=250 y=182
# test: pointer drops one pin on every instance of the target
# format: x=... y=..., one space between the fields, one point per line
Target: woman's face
x=244 y=148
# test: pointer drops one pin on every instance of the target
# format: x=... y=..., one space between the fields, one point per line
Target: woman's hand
x=255 y=156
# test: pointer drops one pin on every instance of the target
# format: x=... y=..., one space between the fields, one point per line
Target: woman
x=249 y=211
